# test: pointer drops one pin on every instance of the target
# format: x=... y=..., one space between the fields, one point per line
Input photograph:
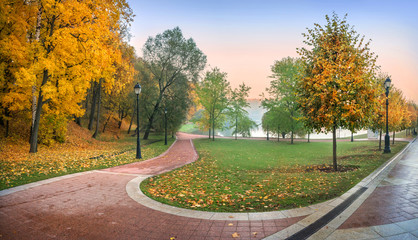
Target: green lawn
x=19 y=167
x=248 y=175
x=191 y=128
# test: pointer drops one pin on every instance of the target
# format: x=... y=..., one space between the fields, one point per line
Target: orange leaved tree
x=335 y=89
x=58 y=48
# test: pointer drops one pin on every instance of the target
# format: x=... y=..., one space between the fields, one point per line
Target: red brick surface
x=394 y=203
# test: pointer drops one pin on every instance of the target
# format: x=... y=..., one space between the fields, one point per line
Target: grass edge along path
x=257 y=176
x=22 y=168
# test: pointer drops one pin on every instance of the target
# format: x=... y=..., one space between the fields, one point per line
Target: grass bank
x=247 y=176
x=20 y=167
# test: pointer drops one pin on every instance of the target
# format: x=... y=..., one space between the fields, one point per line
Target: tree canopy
x=171 y=58
x=336 y=85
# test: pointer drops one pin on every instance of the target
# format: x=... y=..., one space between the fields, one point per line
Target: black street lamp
x=387 y=138
x=165 y=123
x=137 y=89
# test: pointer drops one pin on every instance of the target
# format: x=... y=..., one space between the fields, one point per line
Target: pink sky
x=244 y=38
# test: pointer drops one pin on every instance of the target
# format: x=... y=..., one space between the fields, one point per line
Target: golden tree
x=336 y=85
x=399 y=115
x=60 y=46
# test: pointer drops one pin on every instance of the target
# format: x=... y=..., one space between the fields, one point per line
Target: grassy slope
x=79 y=153
x=247 y=175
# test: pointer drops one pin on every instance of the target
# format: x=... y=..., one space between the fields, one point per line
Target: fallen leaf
x=235 y=235
x=231 y=224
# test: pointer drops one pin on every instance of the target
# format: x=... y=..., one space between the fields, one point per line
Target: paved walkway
x=107 y=204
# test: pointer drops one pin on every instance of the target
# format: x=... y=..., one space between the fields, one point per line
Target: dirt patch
x=329 y=168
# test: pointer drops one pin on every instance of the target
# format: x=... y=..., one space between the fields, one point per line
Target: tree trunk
x=77 y=120
x=308 y=137
x=393 y=139
x=6 y=122
x=133 y=115
x=209 y=131
x=236 y=127
x=213 y=129
x=291 y=138
x=151 y=119
x=334 y=148
x=120 y=120
x=105 y=124
x=268 y=134
x=93 y=105
x=352 y=138
x=99 y=89
x=278 y=134
x=35 y=128
x=37 y=38
x=45 y=77
x=380 y=140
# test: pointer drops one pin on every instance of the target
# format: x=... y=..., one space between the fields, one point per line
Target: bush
x=52 y=128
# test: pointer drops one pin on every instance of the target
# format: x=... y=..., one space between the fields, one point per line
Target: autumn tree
x=214 y=93
x=378 y=120
x=66 y=44
x=236 y=110
x=336 y=89
x=399 y=116
x=169 y=57
x=413 y=110
x=16 y=17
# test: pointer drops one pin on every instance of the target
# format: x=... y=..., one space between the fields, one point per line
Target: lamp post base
x=387 y=144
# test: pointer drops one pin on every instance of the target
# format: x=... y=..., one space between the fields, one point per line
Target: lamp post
x=137 y=89
x=165 y=123
x=387 y=138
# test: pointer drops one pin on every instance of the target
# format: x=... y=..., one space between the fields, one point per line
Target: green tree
x=237 y=111
x=170 y=57
x=214 y=93
x=336 y=85
x=244 y=125
x=275 y=120
x=283 y=91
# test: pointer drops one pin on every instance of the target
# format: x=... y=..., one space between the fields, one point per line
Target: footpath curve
x=107 y=204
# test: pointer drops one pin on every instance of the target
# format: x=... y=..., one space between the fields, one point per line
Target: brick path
x=395 y=199
x=95 y=205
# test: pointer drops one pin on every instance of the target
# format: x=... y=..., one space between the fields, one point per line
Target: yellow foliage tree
x=65 y=45
x=399 y=115
x=336 y=85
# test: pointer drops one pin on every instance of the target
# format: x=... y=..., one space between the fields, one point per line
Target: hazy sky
x=244 y=38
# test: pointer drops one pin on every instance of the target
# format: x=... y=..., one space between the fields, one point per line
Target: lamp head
x=137 y=89
x=387 y=83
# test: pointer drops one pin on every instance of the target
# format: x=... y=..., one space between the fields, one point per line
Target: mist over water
x=256 y=111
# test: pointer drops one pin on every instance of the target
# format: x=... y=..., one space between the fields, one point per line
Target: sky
x=244 y=38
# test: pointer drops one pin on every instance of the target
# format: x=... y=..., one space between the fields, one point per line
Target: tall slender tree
x=237 y=111
x=170 y=57
x=214 y=93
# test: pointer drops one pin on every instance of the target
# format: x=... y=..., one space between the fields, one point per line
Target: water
x=255 y=112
